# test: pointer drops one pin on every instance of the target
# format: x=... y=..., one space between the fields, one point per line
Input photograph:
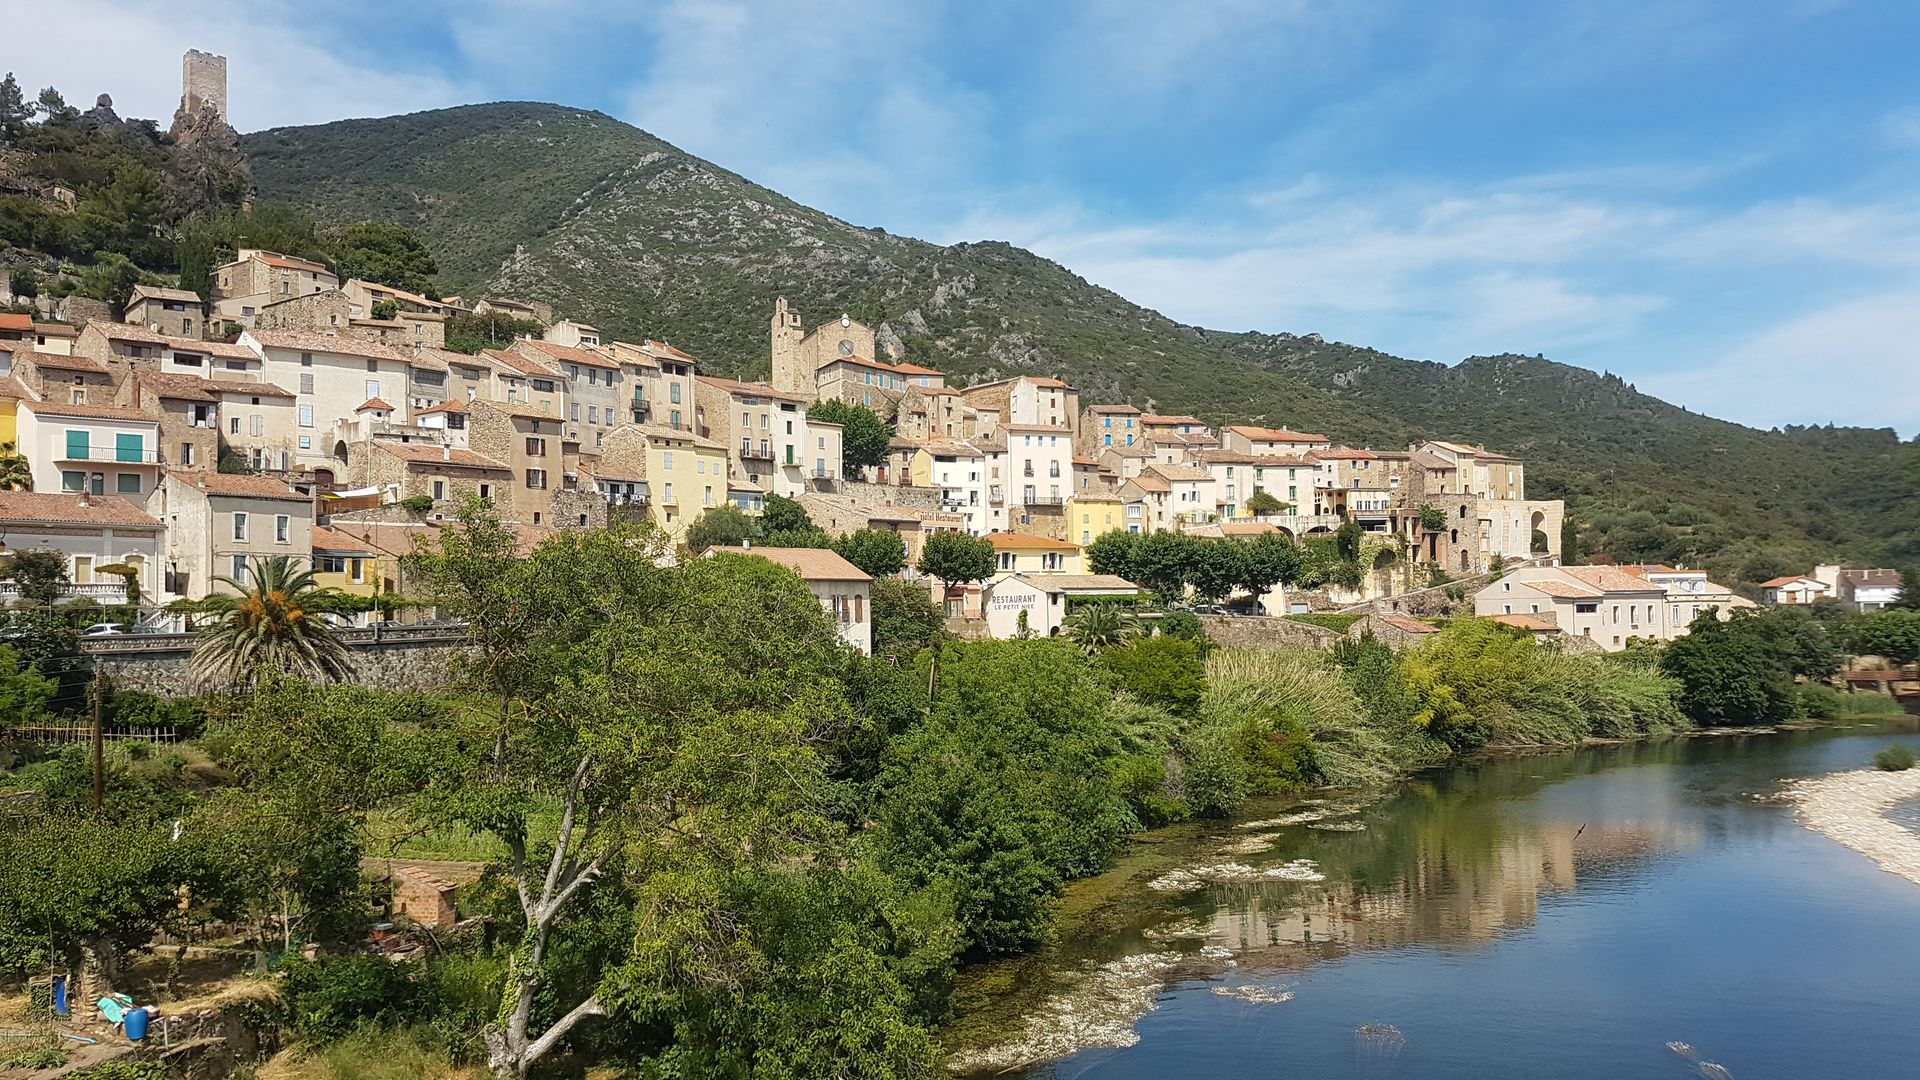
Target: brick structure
x=426 y=900
x=203 y=83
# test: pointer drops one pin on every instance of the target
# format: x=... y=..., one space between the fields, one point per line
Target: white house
x=91 y=532
x=1046 y=599
x=98 y=449
x=845 y=590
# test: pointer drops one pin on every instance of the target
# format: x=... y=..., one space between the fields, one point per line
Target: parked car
x=107 y=629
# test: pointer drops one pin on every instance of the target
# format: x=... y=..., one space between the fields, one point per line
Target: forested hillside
x=614 y=226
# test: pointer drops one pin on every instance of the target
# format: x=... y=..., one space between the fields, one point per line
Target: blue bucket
x=136 y=1024
x=60 y=1006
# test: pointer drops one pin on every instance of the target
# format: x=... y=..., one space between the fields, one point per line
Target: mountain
x=618 y=228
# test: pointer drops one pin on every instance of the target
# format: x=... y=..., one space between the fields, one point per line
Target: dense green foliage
x=955 y=558
x=864 y=436
x=1895 y=759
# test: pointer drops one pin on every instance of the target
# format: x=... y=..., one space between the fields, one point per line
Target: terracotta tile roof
x=1038 y=429
x=386 y=538
x=661 y=431
x=1871 y=578
x=446 y=457
x=1060 y=583
x=568 y=354
x=1179 y=472
x=518 y=364
x=1267 y=434
x=1003 y=541
x=1161 y=418
x=1431 y=461
x=309 y=341
x=34 y=507
x=1408 y=624
x=373 y=403
x=1787 y=580
x=812 y=564
x=1528 y=622
x=289 y=262
x=952 y=449
x=916 y=369
x=87 y=412
x=750 y=389
x=248 y=388
x=1608 y=578
x=238 y=486
x=58 y=362
x=11 y=321
x=1082 y=459
x=939 y=391
x=159 y=292
x=443 y=407
x=1049 y=382
x=1150 y=483
x=1342 y=454
x=438 y=359
x=1224 y=457
x=519 y=410
x=622 y=473
x=1115 y=409
x=337 y=543
x=1135 y=451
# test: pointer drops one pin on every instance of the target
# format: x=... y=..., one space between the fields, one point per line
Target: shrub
x=1820 y=701
x=330 y=997
x=1163 y=671
x=1895 y=759
x=417 y=504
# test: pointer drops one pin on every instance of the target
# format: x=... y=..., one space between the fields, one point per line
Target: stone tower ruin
x=203 y=84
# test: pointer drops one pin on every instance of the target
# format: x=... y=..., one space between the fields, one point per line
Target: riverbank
x=1851 y=808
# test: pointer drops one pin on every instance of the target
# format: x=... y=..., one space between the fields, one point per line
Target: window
x=593 y=414
x=357 y=570
x=233 y=422
x=257 y=426
x=79 y=448
x=707 y=496
x=575 y=412
x=486 y=491
x=673 y=395
x=666 y=460
x=73 y=481
x=373 y=365
x=128 y=447
x=126 y=483
x=536 y=478
x=859 y=608
x=186 y=453
x=373 y=388
x=306 y=359
x=306 y=382
x=306 y=418
x=306 y=442
x=239 y=525
x=240 y=568
x=676 y=417
x=439 y=489
x=282 y=529
x=1006 y=560
x=536 y=447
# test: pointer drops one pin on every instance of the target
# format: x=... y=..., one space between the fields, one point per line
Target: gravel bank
x=1851 y=807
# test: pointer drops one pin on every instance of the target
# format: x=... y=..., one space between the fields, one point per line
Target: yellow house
x=1091 y=515
x=1017 y=554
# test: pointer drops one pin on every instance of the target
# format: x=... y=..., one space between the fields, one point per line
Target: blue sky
x=1714 y=200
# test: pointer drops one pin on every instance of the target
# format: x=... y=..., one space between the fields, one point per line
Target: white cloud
x=1855 y=362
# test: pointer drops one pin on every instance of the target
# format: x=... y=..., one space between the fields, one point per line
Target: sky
x=1716 y=201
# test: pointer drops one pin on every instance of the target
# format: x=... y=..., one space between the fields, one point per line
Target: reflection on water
x=1644 y=857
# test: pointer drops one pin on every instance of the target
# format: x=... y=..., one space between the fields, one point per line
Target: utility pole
x=98 y=781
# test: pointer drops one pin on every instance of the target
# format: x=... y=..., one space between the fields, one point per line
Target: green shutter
x=77 y=446
x=128 y=447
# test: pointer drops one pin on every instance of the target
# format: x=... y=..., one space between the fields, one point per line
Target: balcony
x=762 y=452
x=102 y=592
x=1044 y=500
x=104 y=454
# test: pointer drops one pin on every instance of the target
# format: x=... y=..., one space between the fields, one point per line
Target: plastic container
x=60 y=1006
x=136 y=1024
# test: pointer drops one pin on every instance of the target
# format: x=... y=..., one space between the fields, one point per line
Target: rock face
x=209 y=168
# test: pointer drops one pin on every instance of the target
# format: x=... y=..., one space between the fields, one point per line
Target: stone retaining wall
x=1266 y=633
x=393 y=660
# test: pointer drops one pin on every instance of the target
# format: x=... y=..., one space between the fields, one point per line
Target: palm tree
x=16 y=474
x=268 y=624
x=1098 y=627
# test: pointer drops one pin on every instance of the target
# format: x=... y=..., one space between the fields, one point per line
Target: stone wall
x=879 y=495
x=387 y=659
x=1263 y=633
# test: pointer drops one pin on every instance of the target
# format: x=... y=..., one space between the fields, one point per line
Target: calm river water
x=1563 y=916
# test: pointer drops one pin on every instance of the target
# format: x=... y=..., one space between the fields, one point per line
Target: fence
x=82 y=731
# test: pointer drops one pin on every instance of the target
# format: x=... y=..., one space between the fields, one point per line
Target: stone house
x=1602 y=604
x=799 y=355
x=573 y=335
x=764 y=430
x=331 y=376
x=1102 y=426
x=535 y=310
x=597 y=393
x=1147 y=501
x=1125 y=462
x=188 y=410
x=1157 y=425
x=74 y=380
x=256 y=278
x=1026 y=401
x=402 y=470
x=527 y=381
x=533 y=446
x=124 y=349
x=177 y=312
x=219 y=523
x=661 y=378
x=91 y=532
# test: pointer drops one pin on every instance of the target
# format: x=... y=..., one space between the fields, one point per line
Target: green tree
x=386 y=254
x=1347 y=540
x=265 y=625
x=23 y=282
x=1270 y=560
x=41 y=574
x=1215 y=567
x=1160 y=670
x=725 y=525
x=1730 y=673
x=905 y=618
x=1432 y=518
x=70 y=883
x=1113 y=552
x=1163 y=563
x=879 y=552
x=53 y=108
x=386 y=309
x=1893 y=633
x=1262 y=504
x=1099 y=627
x=784 y=515
x=864 y=438
x=16 y=473
x=1908 y=598
x=15 y=113
x=24 y=692
x=956 y=558
x=111 y=278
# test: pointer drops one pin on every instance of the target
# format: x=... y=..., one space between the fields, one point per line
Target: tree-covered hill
x=621 y=229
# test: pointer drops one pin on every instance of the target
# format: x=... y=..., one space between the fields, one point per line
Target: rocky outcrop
x=208 y=167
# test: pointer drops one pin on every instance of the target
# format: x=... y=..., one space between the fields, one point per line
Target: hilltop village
x=294 y=411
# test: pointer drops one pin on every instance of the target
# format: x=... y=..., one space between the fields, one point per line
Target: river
x=1563 y=915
